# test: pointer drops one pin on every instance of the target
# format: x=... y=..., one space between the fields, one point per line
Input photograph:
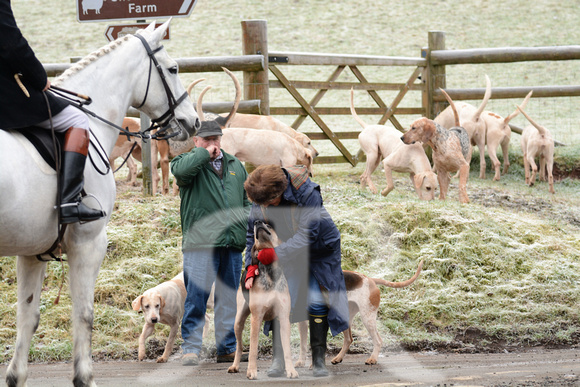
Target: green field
x=504 y=268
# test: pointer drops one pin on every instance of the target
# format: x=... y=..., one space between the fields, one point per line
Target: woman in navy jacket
x=310 y=256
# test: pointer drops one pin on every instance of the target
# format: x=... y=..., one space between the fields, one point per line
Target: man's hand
x=214 y=151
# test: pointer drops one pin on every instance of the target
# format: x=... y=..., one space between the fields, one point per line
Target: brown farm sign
x=103 y=10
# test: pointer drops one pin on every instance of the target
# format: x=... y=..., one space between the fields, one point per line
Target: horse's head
x=163 y=97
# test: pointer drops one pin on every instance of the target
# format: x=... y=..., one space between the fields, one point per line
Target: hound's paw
x=252 y=375
x=141 y=356
x=299 y=364
x=292 y=374
x=233 y=369
x=336 y=360
x=161 y=360
x=370 y=361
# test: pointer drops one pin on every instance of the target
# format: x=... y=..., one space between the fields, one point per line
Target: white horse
x=116 y=77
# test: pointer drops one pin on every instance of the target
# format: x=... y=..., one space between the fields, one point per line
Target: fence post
x=255 y=42
x=146 y=159
x=436 y=74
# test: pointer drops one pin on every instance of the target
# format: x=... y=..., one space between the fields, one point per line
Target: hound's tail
x=540 y=128
x=455 y=115
x=353 y=111
x=403 y=284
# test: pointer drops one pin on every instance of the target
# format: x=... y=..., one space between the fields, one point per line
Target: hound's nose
x=258 y=222
x=154 y=320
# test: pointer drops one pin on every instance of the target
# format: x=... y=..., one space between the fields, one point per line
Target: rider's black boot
x=76 y=148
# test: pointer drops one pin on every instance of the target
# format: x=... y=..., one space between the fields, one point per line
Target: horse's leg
x=30 y=274
x=84 y=262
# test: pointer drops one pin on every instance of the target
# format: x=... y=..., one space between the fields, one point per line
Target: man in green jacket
x=214 y=215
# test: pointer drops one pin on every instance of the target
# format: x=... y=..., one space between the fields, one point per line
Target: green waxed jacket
x=214 y=211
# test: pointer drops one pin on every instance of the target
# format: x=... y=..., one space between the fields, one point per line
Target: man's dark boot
x=278 y=367
x=318 y=330
x=76 y=148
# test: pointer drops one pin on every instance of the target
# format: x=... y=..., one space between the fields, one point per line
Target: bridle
x=162 y=123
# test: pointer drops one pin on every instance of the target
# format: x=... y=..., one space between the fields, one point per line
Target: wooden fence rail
x=504 y=55
x=312 y=59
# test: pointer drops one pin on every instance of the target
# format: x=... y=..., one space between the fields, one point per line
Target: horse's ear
x=150 y=27
x=159 y=33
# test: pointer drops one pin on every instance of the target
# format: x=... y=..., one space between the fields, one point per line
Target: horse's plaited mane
x=87 y=60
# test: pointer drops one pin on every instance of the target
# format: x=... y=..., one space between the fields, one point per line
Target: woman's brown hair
x=265 y=184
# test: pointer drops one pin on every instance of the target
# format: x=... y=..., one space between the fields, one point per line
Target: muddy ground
x=534 y=368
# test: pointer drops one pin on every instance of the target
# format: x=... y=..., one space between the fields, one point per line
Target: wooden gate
x=338 y=63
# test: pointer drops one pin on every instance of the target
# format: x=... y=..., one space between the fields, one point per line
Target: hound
x=256 y=121
x=470 y=119
x=537 y=141
x=381 y=141
x=268 y=299
x=364 y=297
x=498 y=132
x=260 y=147
x=164 y=304
x=161 y=304
x=450 y=151
x=256 y=146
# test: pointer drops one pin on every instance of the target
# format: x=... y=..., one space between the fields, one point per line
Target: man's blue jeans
x=201 y=268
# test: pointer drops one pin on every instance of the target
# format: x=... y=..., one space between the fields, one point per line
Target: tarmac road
x=539 y=367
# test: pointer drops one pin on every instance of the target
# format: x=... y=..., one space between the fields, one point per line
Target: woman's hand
x=250 y=274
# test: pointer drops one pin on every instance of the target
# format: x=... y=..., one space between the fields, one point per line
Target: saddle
x=42 y=140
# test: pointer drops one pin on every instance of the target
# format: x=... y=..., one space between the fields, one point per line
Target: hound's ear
x=137 y=303
x=310 y=161
x=429 y=130
x=418 y=180
x=254 y=253
x=162 y=303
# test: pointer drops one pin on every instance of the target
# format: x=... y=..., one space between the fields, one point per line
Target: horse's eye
x=173 y=70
